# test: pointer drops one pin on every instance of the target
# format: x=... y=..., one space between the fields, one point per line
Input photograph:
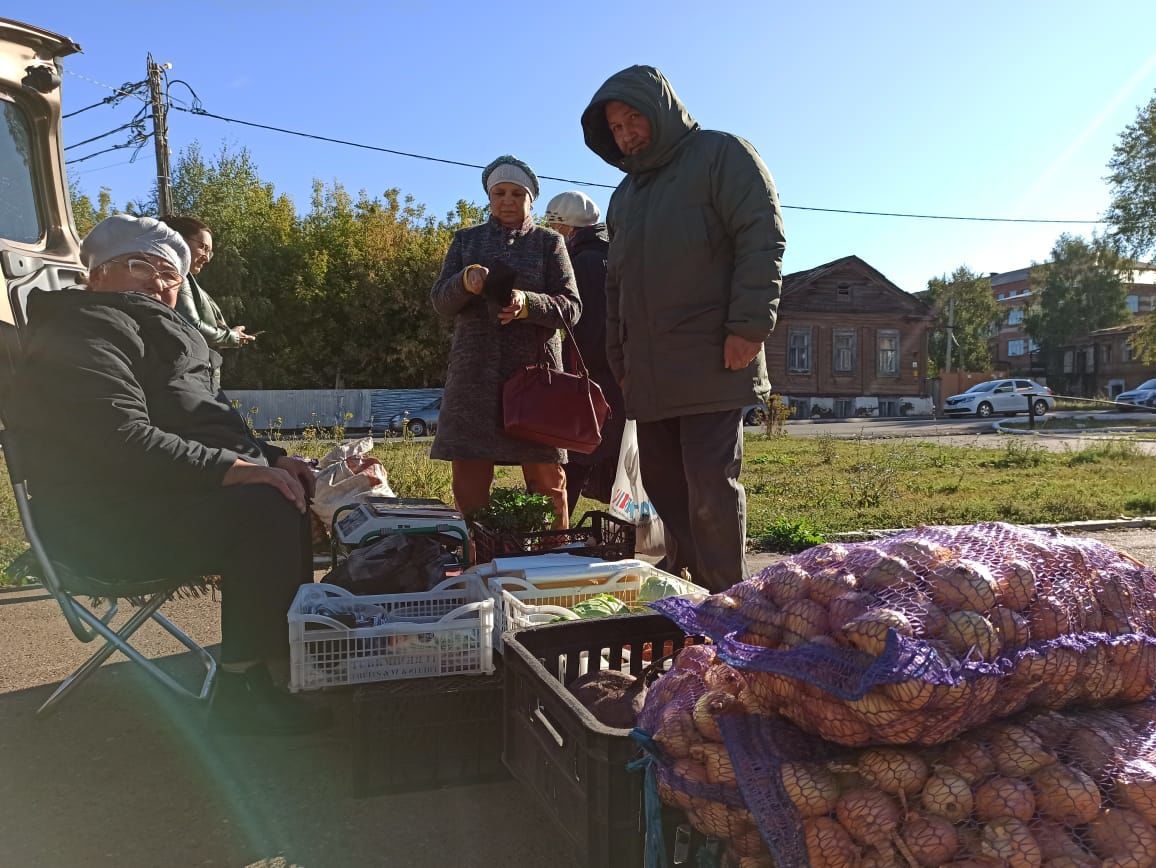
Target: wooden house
x=848 y=343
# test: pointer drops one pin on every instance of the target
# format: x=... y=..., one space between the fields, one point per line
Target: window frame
x=803 y=332
x=852 y=350
x=880 y=336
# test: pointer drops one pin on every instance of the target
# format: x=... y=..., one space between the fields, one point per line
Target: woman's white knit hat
x=123 y=234
x=572 y=209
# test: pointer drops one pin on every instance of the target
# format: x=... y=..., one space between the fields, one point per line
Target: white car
x=1001 y=396
x=1143 y=396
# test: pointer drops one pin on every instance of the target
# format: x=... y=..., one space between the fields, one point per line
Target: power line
x=938 y=216
x=443 y=160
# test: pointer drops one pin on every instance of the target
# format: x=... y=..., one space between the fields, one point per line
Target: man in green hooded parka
x=692 y=291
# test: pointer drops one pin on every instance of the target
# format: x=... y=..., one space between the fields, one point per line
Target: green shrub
x=787 y=535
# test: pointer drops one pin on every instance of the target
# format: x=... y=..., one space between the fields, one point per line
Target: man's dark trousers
x=690 y=469
x=249 y=535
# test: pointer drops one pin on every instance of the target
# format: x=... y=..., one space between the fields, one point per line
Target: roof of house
x=801 y=281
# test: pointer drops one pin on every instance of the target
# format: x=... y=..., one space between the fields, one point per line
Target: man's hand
x=301 y=470
x=738 y=352
x=515 y=310
x=244 y=473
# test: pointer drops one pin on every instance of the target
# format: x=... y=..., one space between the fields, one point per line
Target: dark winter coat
x=485 y=353
x=588 y=247
x=114 y=401
x=696 y=254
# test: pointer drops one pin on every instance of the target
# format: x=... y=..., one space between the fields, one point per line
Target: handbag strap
x=582 y=369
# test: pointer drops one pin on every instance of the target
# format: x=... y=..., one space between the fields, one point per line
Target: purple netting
x=1079 y=789
x=918 y=637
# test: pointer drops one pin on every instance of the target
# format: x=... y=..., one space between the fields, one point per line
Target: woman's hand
x=243 y=337
x=475 y=278
x=245 y=473
x=516 y=310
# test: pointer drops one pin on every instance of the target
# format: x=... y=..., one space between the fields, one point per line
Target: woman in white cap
x=143 y=470
x=492 y=339
x=575 y=217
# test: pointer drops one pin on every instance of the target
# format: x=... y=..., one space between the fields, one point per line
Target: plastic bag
x=629 y=501
x=394 y=564
x=348 y=475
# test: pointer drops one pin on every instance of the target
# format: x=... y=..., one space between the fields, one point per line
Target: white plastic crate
x=541 y=599
x=444 y=631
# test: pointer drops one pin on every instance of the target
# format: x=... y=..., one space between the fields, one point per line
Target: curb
x=1139 y=523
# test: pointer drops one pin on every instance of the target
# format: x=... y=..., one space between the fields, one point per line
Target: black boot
x=249 y=703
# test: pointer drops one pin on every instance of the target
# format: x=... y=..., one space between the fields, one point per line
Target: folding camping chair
x=67 y=585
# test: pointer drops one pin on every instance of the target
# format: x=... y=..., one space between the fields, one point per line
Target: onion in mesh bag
x=928 y=609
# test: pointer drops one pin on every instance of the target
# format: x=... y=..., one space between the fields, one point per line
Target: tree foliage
x=967 y=298
x=85 y=214
x=1132 y=183
x=341 y=291
x=1082 y=288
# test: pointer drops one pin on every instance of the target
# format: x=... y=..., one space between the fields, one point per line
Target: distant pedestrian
x=575 y=217
x=694 y=276
x=196 y=305
x=491 y=341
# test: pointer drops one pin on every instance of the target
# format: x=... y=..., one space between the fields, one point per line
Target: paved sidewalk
x=125 y=776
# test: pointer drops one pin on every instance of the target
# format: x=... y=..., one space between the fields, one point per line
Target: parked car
x=421 y=421
x=1143 y=395
x=755 y=414
x=1001 y=396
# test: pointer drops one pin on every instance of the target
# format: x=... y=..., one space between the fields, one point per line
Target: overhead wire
x=429 y=158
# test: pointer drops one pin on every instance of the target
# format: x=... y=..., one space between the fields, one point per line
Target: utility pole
x=950 y=334
x=160 y=136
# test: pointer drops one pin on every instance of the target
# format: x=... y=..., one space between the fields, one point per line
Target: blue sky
x=997 y=109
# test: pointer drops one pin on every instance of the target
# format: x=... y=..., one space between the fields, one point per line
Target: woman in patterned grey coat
x=490 y=342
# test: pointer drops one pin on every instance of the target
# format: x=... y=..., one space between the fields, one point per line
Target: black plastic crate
x=597 y=535
x=425 y=733
x=574 y=766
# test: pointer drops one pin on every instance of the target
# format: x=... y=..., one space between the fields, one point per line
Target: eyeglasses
x=142 y=269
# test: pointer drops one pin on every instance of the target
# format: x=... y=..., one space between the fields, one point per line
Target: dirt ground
x=124 y=775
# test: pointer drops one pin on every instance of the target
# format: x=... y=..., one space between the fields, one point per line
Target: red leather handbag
x=554 y=408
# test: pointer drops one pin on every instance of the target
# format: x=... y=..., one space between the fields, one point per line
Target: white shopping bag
x=348 y=475
x=628 y=498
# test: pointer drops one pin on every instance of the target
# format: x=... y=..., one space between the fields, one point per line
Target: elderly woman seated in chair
x=138 y=469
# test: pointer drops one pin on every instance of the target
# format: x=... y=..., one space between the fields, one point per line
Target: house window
x=888 y=407
x=1015 y=316
x=799 y=351
x=1033 y=347
x=1017 y=347
x=1128 y=353
x=843 y=293
x=844 y=408
x=843 y=344
x=1089 y=360
x=1000 y=296
x=1133 y=302
x=1069 y=361
x=1106 y=355
x=887 y=363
